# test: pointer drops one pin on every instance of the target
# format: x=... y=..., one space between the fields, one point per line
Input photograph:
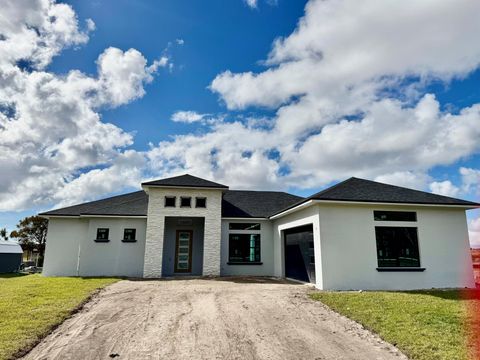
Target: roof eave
x=146 y=186
x=309 y=202
x=400 y=203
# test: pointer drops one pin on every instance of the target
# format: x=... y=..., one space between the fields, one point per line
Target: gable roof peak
x=185 y=180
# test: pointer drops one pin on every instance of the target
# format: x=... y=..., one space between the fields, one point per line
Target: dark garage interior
x=299 y=253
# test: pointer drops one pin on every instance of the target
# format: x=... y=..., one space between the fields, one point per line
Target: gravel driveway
x=240 y=318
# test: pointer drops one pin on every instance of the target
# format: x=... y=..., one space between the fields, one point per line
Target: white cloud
x=34 y=31
x=187 y=116
x=251 y=3
x=347 y=87
x=470 y=180
x=474 y=232
x=445 y=188
x=405 y=178
x=180 y=41
x=52 y=139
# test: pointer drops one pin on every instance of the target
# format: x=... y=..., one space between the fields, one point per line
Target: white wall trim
x=367 y=203
x=288 y=211
x=246 y=218
x=114 y=216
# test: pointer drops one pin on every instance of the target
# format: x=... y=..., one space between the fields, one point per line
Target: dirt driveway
x=209 y=319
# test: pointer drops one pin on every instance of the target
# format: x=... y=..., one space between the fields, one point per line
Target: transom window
x=394 y=215
x=102 y=234
x=185 y=201
x=244 y=226
x=397 y=247
x=201 y=202
x=170 y=201
x=129 y=234
x=244 y=248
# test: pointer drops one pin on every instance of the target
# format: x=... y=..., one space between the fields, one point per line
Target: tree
x=3 y=234
x=31 y=234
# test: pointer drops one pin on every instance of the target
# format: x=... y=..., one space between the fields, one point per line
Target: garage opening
x=299 y=253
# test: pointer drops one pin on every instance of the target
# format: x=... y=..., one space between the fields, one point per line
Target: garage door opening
x=299 y=253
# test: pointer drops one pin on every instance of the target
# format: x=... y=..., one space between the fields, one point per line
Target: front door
x=183 y=251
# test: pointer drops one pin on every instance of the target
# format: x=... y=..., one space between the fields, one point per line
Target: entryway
x=299 y=253
x=183 y=246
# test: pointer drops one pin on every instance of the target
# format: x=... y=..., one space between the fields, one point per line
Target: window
x=395 y=216
x=244 y=226
x=397 y=246
x=200 y=202
x=170 y=201
x=102 y=235
x=244 y=248
x=185 y=201
x=129 y=235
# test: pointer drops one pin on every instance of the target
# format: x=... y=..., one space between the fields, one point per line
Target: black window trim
x=418 y=268
x=395 y=211
x=129 y=240
x=185 y=197
x=174 y=201
x=196 y=202
x=241 y=231
x=259 y=262
x=97 y=239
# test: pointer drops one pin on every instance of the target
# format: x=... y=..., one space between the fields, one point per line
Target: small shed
x=10 y=256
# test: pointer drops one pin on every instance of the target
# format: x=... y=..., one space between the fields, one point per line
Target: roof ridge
x=324 y=191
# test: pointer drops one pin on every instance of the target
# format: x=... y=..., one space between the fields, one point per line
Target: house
x=357 y=234
x=10 y=256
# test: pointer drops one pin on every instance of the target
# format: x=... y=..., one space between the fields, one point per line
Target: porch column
x=211 y=245
x=152 y=267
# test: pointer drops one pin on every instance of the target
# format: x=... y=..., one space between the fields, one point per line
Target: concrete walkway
x=240 y=318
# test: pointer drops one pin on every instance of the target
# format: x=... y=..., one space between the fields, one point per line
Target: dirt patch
x=233 y=318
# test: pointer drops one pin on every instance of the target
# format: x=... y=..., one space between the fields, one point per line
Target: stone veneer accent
x=156 y=227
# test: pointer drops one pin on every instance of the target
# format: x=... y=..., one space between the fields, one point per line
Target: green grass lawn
x=425 y=325
x=31 y=305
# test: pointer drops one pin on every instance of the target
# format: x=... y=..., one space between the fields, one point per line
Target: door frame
x=175 y=269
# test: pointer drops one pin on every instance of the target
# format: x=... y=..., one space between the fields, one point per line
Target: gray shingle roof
x=239 y=203
x=185 y=181
x=234 y=204
x=361 y=190
x=355 y=189
x=131 y=204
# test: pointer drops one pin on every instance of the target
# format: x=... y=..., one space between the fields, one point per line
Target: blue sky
x=289 y=95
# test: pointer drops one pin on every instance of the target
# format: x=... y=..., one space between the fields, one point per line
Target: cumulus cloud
x=445 y=188
x=187 y=116
x=52 y=138
x=347 y=90
x=474 y=232
x=251 y=3
x=34 y=31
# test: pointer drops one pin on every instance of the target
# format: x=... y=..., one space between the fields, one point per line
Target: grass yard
x=31 y=305
x=425 y=325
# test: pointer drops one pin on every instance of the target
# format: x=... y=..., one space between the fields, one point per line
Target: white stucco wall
x=113 y=258
x=61 y=252
x=72 y=251
x=156 y=226
x=302 y=217
x=350 y=253
x=266 y=250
